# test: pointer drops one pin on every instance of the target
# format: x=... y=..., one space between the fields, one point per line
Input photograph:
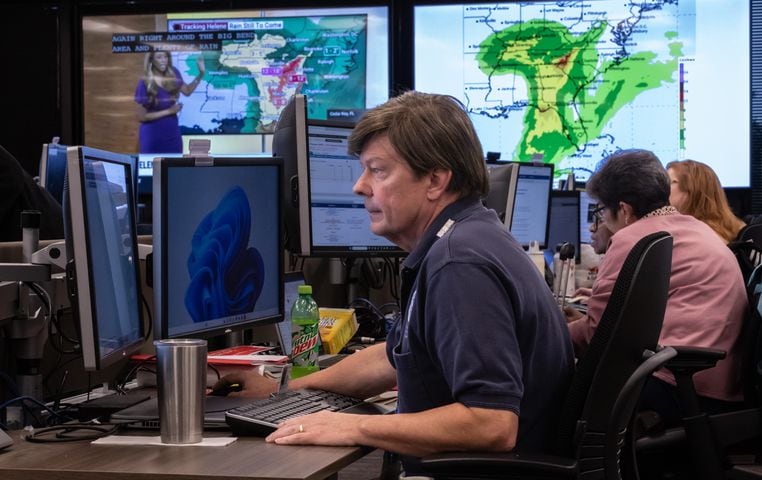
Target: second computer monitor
x=218 y=256
x=528 y=220
x=564 y=220
x=502 y=189
x=101 y=244
x=331 y=212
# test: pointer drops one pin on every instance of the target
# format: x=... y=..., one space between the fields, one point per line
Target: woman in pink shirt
x=707 y=299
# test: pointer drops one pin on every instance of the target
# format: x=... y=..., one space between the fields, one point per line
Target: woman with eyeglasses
x=707 y=298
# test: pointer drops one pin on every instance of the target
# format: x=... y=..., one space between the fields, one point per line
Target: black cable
x=392 y=269
x=150 y=317
x=53 y=372
x=59 y=392
x=393 y=307
x=372 y=322
x=56 y=318
x=374 y=278
x=63 y=433
x=56 y=366
x=62 y=336
x=368 y=304
x=292 y=262
x=25 y=398
x=215 y=370
x=134 y=370
x=41 y=294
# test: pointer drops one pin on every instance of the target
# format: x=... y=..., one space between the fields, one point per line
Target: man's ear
x=439 y=180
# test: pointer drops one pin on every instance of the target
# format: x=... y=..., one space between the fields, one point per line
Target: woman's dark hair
x=635 y=177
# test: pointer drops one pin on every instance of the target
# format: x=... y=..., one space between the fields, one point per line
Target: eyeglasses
x=598 y=217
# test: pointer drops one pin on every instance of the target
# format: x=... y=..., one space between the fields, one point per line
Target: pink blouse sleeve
x=582 y=330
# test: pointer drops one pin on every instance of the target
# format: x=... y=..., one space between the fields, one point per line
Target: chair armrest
x=504 y=465
x=694 y=359
x=689 y=361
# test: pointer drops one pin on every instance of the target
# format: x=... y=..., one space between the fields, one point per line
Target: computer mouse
x=226 y=388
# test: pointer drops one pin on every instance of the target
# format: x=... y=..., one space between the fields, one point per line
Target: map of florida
x=573 y=90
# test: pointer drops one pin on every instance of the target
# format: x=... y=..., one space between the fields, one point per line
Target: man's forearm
x=453 y=427
x=362 y=374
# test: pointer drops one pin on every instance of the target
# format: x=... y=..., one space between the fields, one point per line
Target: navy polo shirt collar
x=455 y=211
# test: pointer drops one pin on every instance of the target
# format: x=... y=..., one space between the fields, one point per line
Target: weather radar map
x=571 y=82
x=262 y=62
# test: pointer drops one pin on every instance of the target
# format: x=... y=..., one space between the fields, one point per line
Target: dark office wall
x=30 y=99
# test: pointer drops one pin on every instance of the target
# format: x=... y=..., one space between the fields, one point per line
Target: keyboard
x=261 y=417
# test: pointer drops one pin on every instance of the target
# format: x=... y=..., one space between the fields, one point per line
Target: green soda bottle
x=305 y=336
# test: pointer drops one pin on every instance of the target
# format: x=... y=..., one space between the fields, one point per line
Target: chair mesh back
x=630 y=324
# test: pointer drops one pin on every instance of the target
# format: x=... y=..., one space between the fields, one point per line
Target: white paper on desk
x=156 y=440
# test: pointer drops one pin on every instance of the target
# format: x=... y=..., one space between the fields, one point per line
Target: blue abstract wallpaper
x=226 y=274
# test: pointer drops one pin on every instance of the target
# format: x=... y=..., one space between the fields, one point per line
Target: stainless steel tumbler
x=181 y=378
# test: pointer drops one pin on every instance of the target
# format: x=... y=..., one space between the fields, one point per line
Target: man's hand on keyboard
x=322 y=428
x=254 y=384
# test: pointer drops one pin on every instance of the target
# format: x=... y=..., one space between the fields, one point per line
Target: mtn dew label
x=305 y=334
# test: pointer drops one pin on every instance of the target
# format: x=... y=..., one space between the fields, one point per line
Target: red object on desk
x=246 y=355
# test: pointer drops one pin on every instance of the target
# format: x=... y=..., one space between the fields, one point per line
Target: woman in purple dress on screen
x=157 y=98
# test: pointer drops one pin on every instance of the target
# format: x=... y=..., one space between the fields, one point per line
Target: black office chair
x=714 y=444
x=605 y=387
x=747 y=248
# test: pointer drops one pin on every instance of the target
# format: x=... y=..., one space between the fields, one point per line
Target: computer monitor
x=255 y=60
x=576 y=81
x=502 y=188
x=290 y=144
x=103 y=271
x=53 y=169
x=217 y=252
x=528 y=220
x=586 y=207
x=564 y=220
x=330 y=212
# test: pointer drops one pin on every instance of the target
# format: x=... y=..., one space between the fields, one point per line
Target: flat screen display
x=564 y=221
x=531 y=207
x=218 y=261
x=339 y=223
x=102 y=242
x=575 y=81
x=253 y=62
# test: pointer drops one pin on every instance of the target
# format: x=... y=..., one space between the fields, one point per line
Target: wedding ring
x=301 y=428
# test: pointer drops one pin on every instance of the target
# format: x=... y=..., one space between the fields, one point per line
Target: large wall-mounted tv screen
x=575 y=81
x=227 y=75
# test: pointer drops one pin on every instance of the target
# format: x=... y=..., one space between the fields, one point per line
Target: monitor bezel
x=80 y=258
x=161 y=168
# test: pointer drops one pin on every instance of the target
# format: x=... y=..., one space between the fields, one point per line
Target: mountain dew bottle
x=305 y=336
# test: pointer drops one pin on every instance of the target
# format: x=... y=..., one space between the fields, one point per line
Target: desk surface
x=247 y=458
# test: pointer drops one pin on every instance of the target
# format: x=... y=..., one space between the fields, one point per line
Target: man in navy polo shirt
x=481 y=356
